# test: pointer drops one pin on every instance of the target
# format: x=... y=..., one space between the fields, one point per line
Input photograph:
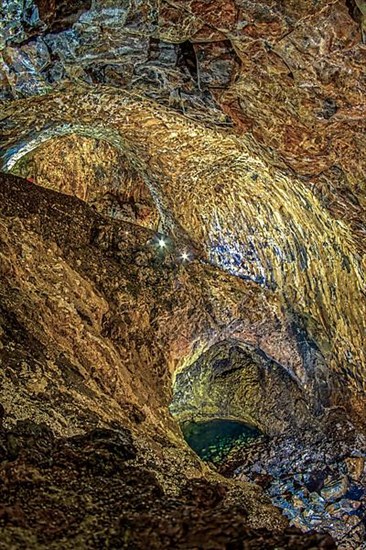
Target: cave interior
x=182 y=274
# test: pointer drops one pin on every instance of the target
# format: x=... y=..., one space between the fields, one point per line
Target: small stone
x=263 y=480
x=290 y=513
x=243 y=477
x=309 y=513
x=300 y=523
x=313 y=517
x=316 y=500
x=257 y=469
x=355 y=492
x=297 y=502
x=334 y=490
x=355 y=466
x=350 y=505
x=343 y=507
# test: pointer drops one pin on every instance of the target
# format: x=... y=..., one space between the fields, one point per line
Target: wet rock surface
x=317 y=479
x=237 y=381
x=95 y=172
x=289 y=76
x=224 y=203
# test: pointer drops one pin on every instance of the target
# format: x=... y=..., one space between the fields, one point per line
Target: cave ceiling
x=239 y=130
x=204 y=175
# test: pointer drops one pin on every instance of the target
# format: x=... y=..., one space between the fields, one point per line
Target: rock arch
x=218 y=194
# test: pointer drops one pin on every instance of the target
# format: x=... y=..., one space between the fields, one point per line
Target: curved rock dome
x=182 y=243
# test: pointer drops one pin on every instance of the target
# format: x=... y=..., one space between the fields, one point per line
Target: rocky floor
x=91 y=491
x=317 y=480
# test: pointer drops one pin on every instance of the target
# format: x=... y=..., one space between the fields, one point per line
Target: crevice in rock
x=354 y=10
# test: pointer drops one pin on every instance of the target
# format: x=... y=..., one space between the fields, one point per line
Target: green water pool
x=214 y=439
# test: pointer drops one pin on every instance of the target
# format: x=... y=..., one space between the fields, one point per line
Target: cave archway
x=235 y=381
x=249 y=419
x=222 y=196
x=94 y=171
x=234 y=393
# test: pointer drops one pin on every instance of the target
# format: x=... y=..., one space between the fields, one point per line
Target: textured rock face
x=289 y=75
x=87 y=338
x=235 y=381
x=226 y=204
x=92 y=491
x=121 y=292
x=95 y=172
x=219 y=146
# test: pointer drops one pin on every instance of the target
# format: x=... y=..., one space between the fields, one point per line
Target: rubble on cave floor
x=318 y=480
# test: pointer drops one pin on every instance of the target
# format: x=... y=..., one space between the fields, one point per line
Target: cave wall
x=110 y=311
x=239 y=382
x=95 y=172
x=279 y=91
x=289 y=75
x=222 y=199
x=234 y=131
x=90 y=324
